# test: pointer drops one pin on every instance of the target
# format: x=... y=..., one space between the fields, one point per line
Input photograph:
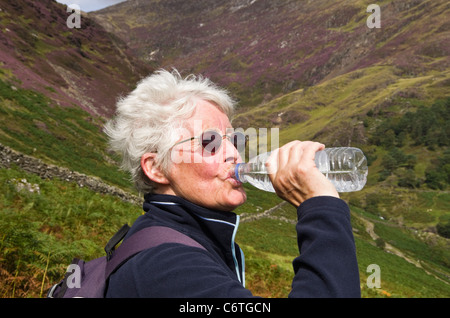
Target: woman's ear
x=148 y=164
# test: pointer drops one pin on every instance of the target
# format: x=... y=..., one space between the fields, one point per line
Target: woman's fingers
x=294 y=174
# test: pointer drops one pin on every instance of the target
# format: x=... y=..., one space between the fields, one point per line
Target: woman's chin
x=237 y=197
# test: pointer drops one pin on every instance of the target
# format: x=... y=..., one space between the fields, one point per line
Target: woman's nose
x=231 y=154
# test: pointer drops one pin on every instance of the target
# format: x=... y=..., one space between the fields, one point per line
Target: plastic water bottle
x=345 y=167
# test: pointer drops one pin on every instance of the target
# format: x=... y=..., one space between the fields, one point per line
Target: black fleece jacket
x=326 y=266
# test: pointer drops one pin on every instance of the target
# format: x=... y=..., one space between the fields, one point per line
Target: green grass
x=398 y=277
x=269 y=236
x=61 y=222
x=269 y=246
x=257 y=201
x=268 y=275
x=406 y=240
x=67 y=136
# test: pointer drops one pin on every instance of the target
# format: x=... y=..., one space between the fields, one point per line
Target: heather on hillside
x=262 y=49
x=86 y=67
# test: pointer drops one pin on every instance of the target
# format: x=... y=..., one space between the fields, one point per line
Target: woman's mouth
x=234 y=182
x=230 y=178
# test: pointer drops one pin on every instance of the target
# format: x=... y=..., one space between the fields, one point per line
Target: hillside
x=57 y=85
x=86 y=67
x=262 y=49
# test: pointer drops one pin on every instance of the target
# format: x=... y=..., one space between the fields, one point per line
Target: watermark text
x=374 y=20
x=74 y=19
x=374 y=279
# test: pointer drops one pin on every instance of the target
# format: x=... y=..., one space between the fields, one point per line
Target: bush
x=380 y=243
x=426 y=126
x=434 y=179
x=408 y=179
x=443 y=229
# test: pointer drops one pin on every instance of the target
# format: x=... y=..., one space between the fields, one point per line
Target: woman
x=175 y=138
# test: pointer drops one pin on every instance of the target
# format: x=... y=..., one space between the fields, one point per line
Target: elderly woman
x=176 y=140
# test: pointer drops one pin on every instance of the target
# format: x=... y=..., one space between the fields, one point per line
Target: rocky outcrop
x=36 y=166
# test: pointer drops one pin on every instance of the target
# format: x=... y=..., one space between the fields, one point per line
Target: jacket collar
x=164 y=200
x=213 y=229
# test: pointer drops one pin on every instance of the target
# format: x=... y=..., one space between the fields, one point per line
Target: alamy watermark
x=74 y=279
x=74 y=19
x=374 y=20
x=374 y=279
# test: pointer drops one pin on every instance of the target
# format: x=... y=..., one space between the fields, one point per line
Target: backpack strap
x=112 y=243
x=144 y=239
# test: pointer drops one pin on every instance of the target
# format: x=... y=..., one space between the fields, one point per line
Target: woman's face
x=200 y=177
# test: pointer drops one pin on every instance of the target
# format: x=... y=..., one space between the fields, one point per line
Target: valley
x=313 y=69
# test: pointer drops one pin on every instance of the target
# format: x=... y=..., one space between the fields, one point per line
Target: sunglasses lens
x=239 y=141
x=211 y=141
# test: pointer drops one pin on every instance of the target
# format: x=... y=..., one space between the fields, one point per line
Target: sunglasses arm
x=182 y=141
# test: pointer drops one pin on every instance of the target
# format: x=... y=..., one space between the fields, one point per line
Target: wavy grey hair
x=148 y=119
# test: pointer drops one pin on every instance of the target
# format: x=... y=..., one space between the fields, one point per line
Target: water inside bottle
x=260 y=180
x=345 y=167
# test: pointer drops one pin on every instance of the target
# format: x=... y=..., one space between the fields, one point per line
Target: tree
x=389 y=163
x=408 y=179
x=434 y=179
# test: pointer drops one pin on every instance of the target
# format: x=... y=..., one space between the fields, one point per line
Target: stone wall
x=36 y=166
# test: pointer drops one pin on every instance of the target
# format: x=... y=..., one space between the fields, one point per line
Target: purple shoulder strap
x=146 y=238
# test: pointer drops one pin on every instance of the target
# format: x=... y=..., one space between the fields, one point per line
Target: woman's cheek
x=209 y=170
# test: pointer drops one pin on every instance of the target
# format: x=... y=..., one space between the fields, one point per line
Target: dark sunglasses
x=211 y=140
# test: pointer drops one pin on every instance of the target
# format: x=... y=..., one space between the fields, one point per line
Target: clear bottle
x=345 y=167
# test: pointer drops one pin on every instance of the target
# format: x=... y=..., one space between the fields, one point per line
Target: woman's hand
x=294 y=174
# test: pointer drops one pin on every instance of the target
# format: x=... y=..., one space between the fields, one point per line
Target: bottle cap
x=236 y=172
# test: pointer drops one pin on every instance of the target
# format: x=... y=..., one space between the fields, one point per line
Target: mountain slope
x=56 y=87
x=335 y=111
x=85 y=67
x=260 y=49
x=58 y=84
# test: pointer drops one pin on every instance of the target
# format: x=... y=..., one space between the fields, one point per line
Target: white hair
x=147 y=120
